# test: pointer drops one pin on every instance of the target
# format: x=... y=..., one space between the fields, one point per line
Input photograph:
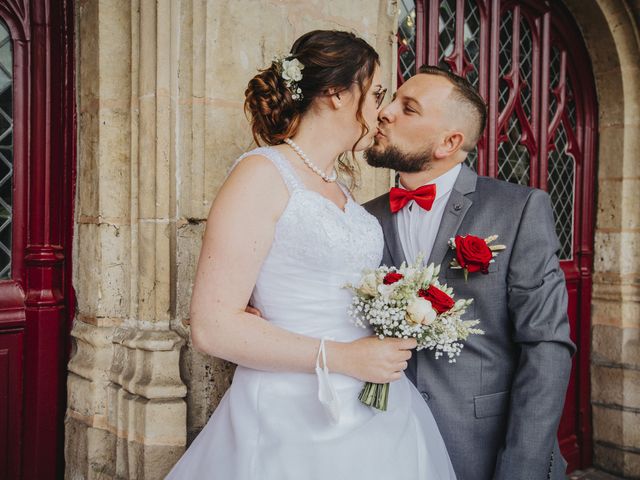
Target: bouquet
x=409 y=302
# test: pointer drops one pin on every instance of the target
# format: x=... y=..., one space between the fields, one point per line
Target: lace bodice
x=317 y=249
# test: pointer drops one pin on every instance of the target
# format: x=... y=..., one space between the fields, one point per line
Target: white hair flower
x=291 y=72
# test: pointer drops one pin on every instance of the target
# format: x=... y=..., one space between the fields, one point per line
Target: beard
x=395 y=159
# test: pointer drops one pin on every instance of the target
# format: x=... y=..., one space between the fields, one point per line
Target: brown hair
x=467 y=95
x=332 y=60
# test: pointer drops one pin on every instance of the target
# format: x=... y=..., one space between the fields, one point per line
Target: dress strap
x=286 y=171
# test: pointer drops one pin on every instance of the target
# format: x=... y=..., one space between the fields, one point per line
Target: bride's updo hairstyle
x=332 y=60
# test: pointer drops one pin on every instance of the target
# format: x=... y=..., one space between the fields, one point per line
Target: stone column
x=126 y=413
x=611 y=34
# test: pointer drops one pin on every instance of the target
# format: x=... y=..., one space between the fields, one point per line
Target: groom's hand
x=253 y=311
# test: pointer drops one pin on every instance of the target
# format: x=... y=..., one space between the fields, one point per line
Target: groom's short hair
x=469 y=98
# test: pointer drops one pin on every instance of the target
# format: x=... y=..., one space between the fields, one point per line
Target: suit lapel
x=457 y=207
x=391 y=238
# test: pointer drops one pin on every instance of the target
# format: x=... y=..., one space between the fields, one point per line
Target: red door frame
x=38 y=301
x=547 y=17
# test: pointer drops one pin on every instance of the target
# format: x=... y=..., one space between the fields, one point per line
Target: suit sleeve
x=537 y=303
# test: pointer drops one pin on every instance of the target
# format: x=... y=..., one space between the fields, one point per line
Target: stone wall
x=610 y=30
x=160 y=89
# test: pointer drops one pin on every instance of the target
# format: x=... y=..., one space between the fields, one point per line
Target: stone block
x=616 y=345
x=608 y=252
x=610 y=210
x=227 y=136
x=188 y=244
x=88 y=46
x=101 y=452
x=88 y=269
x=611 y=142
x=607 y=385
x=87 y=184
x=114 y=61
x=591 y=19
x=75 y=449
x=607 y=425
x=153 y=272
x=606 y=311
x=114 y=163
x=151 y=462
x=616 y=426
x=160 y=422
x=115 y=278
x=207 y=380
x=619 y=462
x=152 y=368
x=617 y=252
x=631 y=388
x=102 y=269
x=610 y=91
x=630 y=73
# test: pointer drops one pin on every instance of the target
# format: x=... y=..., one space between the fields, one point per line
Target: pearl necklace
x=327 y=178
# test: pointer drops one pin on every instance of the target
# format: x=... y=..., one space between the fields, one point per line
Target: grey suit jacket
x=498 y=407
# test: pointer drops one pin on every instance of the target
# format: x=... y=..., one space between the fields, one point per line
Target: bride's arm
x=239 y=233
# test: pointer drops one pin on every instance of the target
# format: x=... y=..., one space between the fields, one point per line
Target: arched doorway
x=529 y=62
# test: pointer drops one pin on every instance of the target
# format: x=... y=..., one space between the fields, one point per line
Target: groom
x=498 y=407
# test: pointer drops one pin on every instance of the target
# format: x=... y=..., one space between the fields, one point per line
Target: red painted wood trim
x=422 y=33
x=39 y=298
x=493 y=107
x=544 y=100
x=433 y=38
x=483 y=79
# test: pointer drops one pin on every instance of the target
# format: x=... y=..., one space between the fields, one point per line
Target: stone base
x=592 y=474
x=88 y=451
x=96 y=454
x=619 y=462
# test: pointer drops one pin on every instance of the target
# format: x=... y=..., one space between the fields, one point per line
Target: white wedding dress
x=272 y=426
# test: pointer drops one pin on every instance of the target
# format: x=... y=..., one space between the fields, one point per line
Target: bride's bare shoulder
x=254 y=180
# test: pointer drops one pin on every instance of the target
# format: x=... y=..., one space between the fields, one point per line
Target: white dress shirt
x=417 y=228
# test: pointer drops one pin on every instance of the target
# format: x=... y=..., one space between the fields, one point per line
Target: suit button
x=425 y=396
x=457 y=207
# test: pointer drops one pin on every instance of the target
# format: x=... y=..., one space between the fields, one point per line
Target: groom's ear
x=452 y=142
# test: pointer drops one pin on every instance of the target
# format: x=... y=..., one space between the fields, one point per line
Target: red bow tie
x=423 y=196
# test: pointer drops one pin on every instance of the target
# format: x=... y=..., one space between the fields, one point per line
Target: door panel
x=10 y=403
x=529 y=63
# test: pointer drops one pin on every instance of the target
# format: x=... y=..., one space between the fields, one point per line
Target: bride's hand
x=373 y=360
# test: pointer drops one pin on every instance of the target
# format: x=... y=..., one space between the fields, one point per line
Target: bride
x=286 y=235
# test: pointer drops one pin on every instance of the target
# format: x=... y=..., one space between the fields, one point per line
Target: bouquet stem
x=375 y=395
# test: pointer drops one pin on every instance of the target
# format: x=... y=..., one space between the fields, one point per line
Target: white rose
x=386 y=290
x=292 y=70
x=369 y=285
x=420 y=311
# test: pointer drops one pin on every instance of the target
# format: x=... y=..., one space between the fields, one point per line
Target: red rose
x=473 y=253
x=392 y=277
x=440 y=301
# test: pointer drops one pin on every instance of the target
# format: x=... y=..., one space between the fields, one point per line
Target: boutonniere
x=474 y=254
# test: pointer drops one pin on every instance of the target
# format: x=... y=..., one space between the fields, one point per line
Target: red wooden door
x=531 y=66
x=37 y=158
